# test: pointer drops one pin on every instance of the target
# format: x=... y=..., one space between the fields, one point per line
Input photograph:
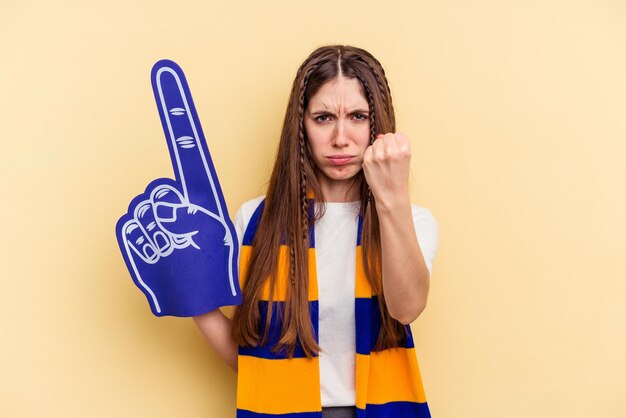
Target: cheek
x=312 y=145
x=361 y=134
x=313 y=149
x=315 y=137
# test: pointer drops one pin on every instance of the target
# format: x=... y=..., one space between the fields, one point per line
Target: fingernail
x=161 y=241
x=165 y=212
x=149 y=252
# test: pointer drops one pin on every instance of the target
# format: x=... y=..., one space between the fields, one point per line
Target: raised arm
x=406 y=279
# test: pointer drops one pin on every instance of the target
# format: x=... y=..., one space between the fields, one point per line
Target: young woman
x=335 y=261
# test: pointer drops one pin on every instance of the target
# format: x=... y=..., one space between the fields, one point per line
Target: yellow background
x=517 y=114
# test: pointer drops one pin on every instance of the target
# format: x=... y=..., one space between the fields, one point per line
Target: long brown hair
x=285 y=216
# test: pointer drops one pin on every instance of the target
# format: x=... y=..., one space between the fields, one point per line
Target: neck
x=339 y=191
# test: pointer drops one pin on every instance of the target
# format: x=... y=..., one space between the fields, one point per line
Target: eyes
x=327 y=117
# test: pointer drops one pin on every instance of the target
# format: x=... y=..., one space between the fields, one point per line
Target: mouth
x=340 y=159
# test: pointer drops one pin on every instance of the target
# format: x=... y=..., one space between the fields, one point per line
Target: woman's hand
x=386 y=166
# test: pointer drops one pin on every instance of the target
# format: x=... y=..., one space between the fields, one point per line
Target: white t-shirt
x=335 y=242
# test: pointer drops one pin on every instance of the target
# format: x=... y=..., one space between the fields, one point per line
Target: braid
x=303 y=157
x=292 y=259
x=383 y=87
x=373 y=127
x=304 y=218
x=370 y=101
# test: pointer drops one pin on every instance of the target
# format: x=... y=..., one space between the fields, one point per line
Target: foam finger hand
x=144 y=215
x=138 y=244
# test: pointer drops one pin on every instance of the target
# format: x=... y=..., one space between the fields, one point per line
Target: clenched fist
x=386 y=164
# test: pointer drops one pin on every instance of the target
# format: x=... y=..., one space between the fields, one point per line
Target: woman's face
x=338 y=131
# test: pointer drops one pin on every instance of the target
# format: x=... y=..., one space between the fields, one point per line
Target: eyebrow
x=326 y=112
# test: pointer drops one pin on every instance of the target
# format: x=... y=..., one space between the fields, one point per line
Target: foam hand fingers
x=185 y=139
x=138 y=244
x=144 y=215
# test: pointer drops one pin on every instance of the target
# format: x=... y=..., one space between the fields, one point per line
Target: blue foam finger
x=177 y=239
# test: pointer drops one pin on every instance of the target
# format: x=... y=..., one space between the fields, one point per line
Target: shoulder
x=247 y=209
x=245 y=213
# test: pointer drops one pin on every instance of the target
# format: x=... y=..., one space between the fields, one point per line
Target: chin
x=345 y=174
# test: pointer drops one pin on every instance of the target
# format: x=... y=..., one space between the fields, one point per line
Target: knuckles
x=397 y=148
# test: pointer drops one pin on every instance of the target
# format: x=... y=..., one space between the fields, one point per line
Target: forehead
x=340 y=91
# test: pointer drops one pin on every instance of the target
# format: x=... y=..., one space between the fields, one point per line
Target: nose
x=340 y=139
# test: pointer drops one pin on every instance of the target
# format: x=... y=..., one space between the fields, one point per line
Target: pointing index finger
x=189 y=153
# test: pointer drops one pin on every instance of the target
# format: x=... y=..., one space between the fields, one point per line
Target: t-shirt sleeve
x=240 y=225
x=243 y=216
x=427 y=231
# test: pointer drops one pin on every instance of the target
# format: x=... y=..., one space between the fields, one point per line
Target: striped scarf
x=388 y=382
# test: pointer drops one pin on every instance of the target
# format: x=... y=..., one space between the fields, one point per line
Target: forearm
x=216 y=329
x=406 y=278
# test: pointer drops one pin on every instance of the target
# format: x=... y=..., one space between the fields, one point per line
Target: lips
x=340 y=159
